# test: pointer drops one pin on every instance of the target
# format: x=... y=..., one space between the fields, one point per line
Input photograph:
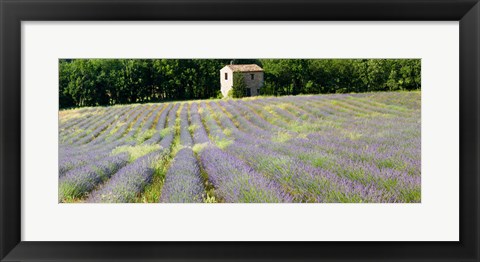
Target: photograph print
x=239 y=131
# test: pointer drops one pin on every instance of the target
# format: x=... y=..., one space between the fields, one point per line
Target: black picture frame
x=13 y=12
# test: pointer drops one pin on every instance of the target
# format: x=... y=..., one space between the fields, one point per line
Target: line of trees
x=318 y=76
x=92 y=82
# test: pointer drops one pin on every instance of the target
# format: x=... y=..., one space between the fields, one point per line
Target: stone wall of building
x=255 y=83
x=226 y=84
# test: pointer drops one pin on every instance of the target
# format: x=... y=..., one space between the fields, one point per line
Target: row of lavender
x=380 y=162
x=329 y=148
x=81 y=165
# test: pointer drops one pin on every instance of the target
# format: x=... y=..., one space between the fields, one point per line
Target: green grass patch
x=398 y=108
x=390 y=163
x=72 y=135
x=354 y=174
x=72 y=200
x=197 y=148
x=283 y=106
x=353 y=135
x=209 y=199
x=389 y=184
x=227 y=132
x=223 y=143
x=145 y=135
x=411 y=195
x=269 y=109
x=152 y=192
x=77 y=132
x=117 y=126
x=340 y=197
x=164 y=132
x=192 y=128
x=136 y=151
x=281 y=137
x=67 y=193
x=320 y=162
x=300 y=127
x=209 y=196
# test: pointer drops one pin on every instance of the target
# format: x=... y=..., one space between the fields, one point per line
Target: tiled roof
x=245 y=68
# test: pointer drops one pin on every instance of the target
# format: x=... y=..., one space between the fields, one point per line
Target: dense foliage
x=320 y=76
x=239 y=86
x=92 y=82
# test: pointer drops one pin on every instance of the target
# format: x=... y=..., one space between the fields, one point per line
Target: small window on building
x=252 y=76
x=226 y=76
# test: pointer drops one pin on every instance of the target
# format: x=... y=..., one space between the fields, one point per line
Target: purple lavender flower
x=125 y=185
x=316 y=148
x=183 y=182
x=77 y=182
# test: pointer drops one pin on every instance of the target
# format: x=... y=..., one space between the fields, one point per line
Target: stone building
x=253 y=75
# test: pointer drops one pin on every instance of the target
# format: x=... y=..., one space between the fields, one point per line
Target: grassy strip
x=153 y=191
x=209 y=196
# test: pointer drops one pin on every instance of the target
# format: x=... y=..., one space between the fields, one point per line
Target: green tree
x=239 y=85
x=65 y=98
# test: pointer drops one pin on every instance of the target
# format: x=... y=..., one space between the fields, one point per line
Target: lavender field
x=341 y=148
